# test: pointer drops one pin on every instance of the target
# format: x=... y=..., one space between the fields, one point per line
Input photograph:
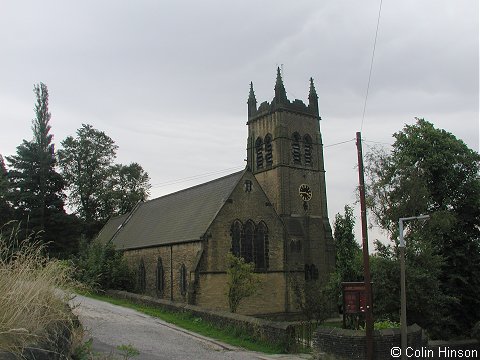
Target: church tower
x=285 y=153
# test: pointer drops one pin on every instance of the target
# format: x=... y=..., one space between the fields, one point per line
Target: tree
x=101 y=267
x=36 y=189
x=314 y=298
x=86 y=162
x=5 y=210
x=347 y=250
x=425 y=299
x=430 y=171
x=242 y=282
x=127 y=185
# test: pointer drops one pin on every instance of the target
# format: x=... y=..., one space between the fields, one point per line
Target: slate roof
x=110 y=228
x=178 y=217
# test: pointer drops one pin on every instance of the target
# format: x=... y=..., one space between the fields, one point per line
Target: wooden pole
x=366 y=259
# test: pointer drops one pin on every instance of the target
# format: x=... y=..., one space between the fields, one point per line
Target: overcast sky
x=168 y=81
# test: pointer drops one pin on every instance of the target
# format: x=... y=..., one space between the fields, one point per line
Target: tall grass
x=33 y=311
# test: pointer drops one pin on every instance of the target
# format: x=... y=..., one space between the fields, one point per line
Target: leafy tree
x=425 y=298
x=127 y=185
x=430 y=171
x=241 y=280
x=86 y=162
x=347 y=250
x=36 y=190
x=100 y=267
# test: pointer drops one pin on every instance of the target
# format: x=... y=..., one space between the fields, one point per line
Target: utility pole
x=366 y=259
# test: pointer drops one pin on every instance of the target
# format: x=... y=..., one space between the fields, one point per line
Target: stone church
x=273 y=214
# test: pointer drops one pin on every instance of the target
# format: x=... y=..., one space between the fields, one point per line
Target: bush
x=33 y=311
x=386 y=324
x=242 y=281
x=101 y=267
x=315 y=299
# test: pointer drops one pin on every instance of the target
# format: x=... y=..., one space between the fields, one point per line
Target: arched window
x=247 y=241
x=268 y=150
x=142 y=284
x=295 y=246
x=260 y=247
x=259 y=152
x=314 y=272
x=311 y=272
x=183 y=279
x=160 y=277
x=236 y=235
x=296 y=148
x=307 y=141
x=308 y=274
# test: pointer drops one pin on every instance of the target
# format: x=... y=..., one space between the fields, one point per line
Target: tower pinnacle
x=280 y=93
x=252 y=101
x=313 y=98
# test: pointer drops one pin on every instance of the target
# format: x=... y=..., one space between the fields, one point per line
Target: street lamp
x=403 y=295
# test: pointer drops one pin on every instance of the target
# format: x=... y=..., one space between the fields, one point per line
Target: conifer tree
x=5 y=210
x=36 y=187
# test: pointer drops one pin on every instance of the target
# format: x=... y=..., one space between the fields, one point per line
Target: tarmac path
x=111 y=325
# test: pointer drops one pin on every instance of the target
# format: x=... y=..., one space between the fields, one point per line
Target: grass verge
x=185 y=320
x=33 y=312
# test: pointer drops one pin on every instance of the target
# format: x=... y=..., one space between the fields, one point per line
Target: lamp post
x=403 y=294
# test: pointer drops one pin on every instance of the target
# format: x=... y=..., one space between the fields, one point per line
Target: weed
x=33 y=312
x=128 y=351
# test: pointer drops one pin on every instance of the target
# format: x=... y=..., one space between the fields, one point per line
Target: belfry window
x=160 y=277
x=142 y=284
x=183 y=279
x=247 y=241
x=260 y=247
x=236 y=233
x=268 y=150
x=259 y=152
x=307 y=141
x=296 y=148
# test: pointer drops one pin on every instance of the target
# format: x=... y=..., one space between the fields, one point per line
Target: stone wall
x=351 y=344
x=173 y=256
x=270 y=297
x=467 y=349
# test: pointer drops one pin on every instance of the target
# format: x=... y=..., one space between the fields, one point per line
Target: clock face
x=305 y=192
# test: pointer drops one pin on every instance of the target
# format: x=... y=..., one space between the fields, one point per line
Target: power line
x=371 y=65
x=339 y=143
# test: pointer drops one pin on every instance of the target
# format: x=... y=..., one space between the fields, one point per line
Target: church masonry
x=273 y=213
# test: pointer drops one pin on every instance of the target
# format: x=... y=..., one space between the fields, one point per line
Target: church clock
x=305 y=192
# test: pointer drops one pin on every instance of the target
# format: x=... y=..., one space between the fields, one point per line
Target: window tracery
x=251 y=242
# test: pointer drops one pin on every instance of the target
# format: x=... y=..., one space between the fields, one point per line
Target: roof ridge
x=193 y=187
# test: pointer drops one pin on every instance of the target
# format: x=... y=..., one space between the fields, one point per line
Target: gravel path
x=111 y=325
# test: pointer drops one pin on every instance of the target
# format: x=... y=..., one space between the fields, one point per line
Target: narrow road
x=111 y=325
